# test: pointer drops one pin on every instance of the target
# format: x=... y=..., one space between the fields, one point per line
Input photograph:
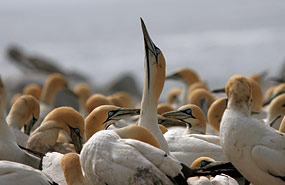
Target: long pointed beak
x=177 y=115
x=76 y=139
x=221 y=90
x=173 y=76
x=149 y=45
x=122 y=113
x=170 y=122
x=29 y=126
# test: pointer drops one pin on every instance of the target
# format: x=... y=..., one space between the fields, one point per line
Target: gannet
x=273 y=93
x=24 y=113
x=202 y=180
x=83 y=91
x=256 y=150
x=34 y=90
x=216 y=112
x=13 y=173
x=96 y=100
x=128 y=156
x=276 y=108
x=153 y=85
x=187 y=147
x=105 y=115
x=62 y=118
x=9 y=148
x=202 y=98
x=197 y=85
x=52 y=85
x=188 y=77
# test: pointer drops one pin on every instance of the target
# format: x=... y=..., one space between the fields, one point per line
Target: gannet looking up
x=65 y=118
x=105 y=115
x=153 y=85
x=256 y=150
x=24 y=113
x=118 y=157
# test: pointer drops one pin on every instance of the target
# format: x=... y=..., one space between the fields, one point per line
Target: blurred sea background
x=103 y=40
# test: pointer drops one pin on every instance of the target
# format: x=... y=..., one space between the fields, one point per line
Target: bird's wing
x=51 y=166
x=12 y=173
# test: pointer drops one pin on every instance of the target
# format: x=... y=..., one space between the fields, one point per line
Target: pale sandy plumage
x=276 y=109
x=34 y=90
x=256 y=150
x=216 y=112
x=83 y=91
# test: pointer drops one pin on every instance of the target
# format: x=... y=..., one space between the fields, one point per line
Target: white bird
x=256 y=150
x=153 y=85
x=62 y=118
x=187 y=147
x=9 y=148
x=12 y=173
x=64 y=169
x=119 y=157
x=23 y=113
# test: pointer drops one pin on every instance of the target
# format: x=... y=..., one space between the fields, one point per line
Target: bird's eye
x=77 y=131
x=283 y=105
x=188 y=111
x=160 y=121
x=157 y=50
x=110 y=113
x=203 y=163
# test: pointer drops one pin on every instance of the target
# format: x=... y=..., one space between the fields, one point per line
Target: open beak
x=76 y=139
x=29 y=126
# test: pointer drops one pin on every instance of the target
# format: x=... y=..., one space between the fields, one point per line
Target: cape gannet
x=256 y=150
x=188 y=77
x=24 y=113
x=153 y=85
x=187 y=147
x=128 y=156
x=62 y=118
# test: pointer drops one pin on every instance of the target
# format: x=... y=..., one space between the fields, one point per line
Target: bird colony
x=227 y=136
